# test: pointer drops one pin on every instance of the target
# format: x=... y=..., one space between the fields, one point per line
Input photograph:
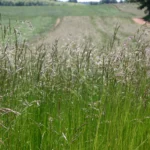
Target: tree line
x=42 y=3
x=22 y=3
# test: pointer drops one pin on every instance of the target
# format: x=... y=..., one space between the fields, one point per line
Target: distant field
x=64 y=10
x=43 y=18
x=78 y=20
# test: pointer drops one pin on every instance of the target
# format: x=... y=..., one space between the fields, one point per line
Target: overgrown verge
x=77 y=97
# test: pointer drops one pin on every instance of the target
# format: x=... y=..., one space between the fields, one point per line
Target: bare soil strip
x=141 y=21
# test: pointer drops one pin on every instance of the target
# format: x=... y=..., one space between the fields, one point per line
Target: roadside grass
x=78 y=97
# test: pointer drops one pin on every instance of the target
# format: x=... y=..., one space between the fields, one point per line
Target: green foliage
x=145 y=4
x=74 y=1
x=131 y=1
x=109 y=1
x=24 y=3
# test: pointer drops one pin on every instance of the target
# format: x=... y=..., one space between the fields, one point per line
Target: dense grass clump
x=78 y=96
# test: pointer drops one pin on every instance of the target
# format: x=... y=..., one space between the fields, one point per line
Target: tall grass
x=78 y=96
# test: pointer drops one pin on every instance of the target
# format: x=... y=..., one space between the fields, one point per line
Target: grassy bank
x=78 y=97
x=25 y=3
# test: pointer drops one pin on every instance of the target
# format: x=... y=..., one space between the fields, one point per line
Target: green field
x=81 y=81
x=44 y=18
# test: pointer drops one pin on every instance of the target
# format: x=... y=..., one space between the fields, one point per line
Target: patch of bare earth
x=141 y=21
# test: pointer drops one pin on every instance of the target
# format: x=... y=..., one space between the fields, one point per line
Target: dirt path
x=141 y=21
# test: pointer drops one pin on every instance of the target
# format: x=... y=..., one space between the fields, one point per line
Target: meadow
x=43 y=18
x=73 y=95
